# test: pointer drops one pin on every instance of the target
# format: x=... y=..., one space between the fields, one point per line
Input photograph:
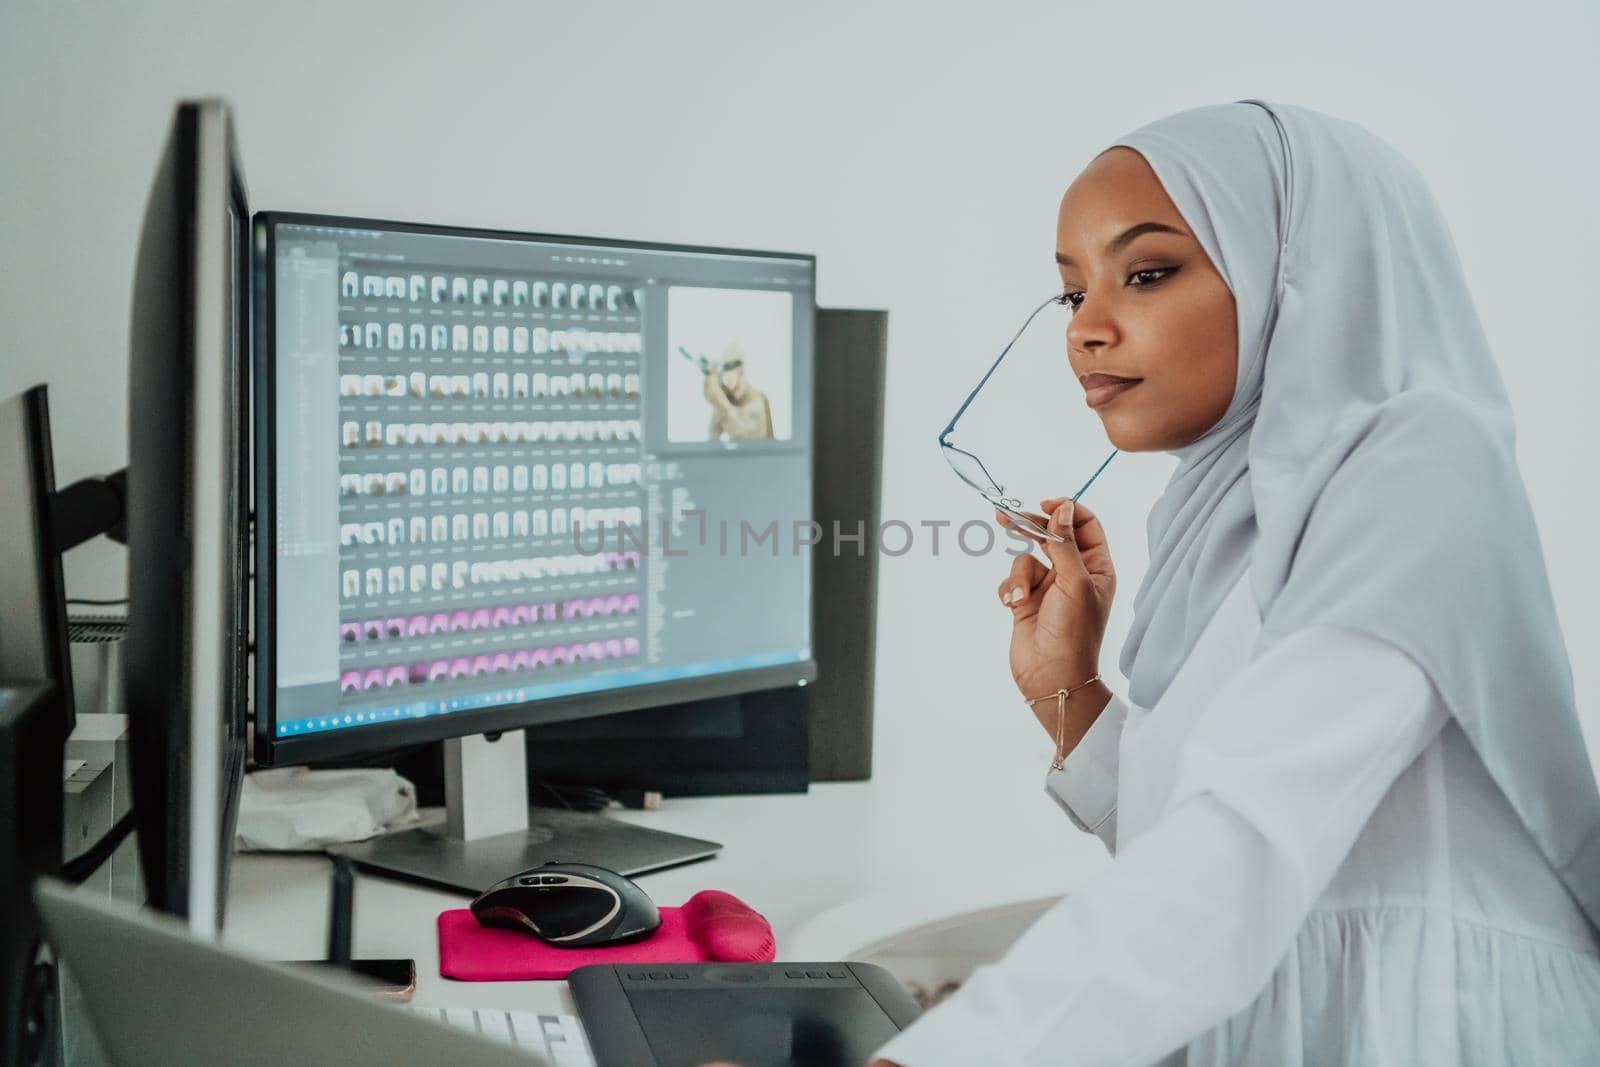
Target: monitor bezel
x=272 y=750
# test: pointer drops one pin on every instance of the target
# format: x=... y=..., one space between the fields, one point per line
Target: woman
x=1352 y=815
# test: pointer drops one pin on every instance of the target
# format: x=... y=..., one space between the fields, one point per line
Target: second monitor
x=510 y=479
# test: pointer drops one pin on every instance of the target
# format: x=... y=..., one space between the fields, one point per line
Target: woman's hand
x=1059 y=612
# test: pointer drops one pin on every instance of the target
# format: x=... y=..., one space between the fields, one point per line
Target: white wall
x=918 y=149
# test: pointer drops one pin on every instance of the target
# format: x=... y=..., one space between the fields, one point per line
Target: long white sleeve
x=1086 y=784
x=1283 y=768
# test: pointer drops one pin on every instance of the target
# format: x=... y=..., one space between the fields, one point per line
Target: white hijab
x=1364 y=472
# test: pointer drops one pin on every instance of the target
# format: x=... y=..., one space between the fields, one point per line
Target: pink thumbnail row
x=488 y=618
x=522 y=659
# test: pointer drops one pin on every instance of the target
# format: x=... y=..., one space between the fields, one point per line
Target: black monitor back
x=33 y=624
x=771 y=740
x=35 y=718
x=187 y=516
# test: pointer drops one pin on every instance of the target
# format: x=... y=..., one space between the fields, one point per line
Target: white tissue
x=286 y=808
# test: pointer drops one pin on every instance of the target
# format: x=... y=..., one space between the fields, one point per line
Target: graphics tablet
x=752 y=1014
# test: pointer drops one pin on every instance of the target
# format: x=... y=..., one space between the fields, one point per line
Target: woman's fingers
x=1027 y=575
x=1082 y=552
x=1063 y=554
x=1087 y=533
x=1093 y=548
x=1010 y=522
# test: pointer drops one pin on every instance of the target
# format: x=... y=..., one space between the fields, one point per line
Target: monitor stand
x=490 y=834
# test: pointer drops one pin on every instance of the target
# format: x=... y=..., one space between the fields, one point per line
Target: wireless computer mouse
x=570 y=905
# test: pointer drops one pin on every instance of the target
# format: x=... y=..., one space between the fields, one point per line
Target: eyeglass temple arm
x=1095 y=475
x=968 y=401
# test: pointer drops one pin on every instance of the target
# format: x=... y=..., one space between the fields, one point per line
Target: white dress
x=1312 y=867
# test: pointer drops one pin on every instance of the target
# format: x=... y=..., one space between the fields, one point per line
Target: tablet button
x=737 y=976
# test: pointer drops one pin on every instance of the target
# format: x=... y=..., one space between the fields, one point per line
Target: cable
x=76 y=870
x=97 y=603
x=571 y=797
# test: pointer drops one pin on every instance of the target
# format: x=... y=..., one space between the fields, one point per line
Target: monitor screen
x=508 y=479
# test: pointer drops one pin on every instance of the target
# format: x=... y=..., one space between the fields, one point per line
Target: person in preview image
x=738 y=409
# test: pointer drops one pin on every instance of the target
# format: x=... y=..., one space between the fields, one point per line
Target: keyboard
x=557 y=1037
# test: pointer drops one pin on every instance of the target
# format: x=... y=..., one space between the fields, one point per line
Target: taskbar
x=352 y=718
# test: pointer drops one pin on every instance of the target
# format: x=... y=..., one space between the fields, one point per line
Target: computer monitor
x=469 y=445
x=33 y=621
x=184 y=658
x=35 y=718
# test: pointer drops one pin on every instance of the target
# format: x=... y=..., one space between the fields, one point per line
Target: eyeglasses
x=970 y=469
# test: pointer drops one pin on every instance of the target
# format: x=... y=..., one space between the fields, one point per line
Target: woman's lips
x=1100 y=389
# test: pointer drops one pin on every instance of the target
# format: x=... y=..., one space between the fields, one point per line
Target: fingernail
x=1014 y=596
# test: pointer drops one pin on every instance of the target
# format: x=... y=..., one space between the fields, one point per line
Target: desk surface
x=793 y=857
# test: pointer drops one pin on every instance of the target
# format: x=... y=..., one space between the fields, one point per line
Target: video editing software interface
x=510 y=469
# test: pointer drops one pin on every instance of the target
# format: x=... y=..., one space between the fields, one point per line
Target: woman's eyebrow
x=1121 y=240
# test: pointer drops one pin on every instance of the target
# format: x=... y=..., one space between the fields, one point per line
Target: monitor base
x=490 y=833
x=432 y=857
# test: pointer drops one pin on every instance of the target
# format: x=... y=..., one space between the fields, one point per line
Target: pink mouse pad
x=711 y=926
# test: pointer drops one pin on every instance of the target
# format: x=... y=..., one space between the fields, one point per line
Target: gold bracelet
x=1061 y=696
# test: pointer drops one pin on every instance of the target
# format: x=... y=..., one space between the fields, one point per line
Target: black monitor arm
x=89 y=508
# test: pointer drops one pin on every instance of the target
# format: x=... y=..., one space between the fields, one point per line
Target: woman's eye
x=1163 y=271
x=1074 y=298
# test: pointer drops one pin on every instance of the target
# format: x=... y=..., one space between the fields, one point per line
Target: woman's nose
x=1089 y=329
